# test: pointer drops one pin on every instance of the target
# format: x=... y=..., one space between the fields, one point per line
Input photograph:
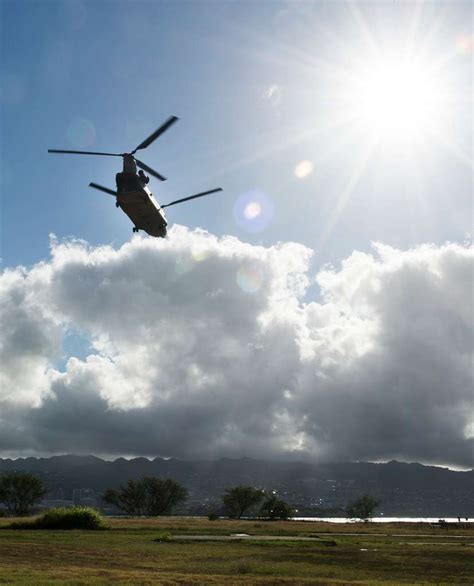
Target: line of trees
x=239 y=500
x=152 y=496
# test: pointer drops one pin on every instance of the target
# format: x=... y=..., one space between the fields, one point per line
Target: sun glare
x=395 y=99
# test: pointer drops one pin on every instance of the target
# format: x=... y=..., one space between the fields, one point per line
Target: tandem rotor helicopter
x=133 y=195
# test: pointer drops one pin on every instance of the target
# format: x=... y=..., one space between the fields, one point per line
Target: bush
x=213 y=516
x=163 y=537
x=66 y=518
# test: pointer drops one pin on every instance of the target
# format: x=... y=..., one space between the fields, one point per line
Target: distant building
x=84 y=496
x=54 y=503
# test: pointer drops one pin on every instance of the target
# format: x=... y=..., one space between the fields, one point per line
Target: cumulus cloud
x=205 y=346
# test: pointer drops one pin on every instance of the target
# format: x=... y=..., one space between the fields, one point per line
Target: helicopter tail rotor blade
x=104 y=189
x=83 y=153
x=149 y=170
x=163 y=128
x=172 y=203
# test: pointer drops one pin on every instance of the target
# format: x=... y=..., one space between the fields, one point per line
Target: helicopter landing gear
x=135 y=229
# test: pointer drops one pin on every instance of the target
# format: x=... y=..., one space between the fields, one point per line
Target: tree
x=162 y=495
x=20 y=492
x=362 y=508
x=129 y=498
x=275 y=508
x=239 y=499
x=149 y=496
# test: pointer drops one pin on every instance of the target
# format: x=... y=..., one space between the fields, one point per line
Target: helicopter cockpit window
x=143 y=179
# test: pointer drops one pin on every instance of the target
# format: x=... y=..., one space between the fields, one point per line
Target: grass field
x=128 y=553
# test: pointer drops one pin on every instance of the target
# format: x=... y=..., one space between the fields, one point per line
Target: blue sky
x=253 y=85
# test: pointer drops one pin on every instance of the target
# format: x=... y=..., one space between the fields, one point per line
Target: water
x=386 y=519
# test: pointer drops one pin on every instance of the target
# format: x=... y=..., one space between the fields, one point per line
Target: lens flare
x=184 y=263
x=75 y=14
x=465 y=43
x=250 y=278
x=303 y=169
x=253 y=211
x=200 y=255
x=273 y=94
x=81 y=133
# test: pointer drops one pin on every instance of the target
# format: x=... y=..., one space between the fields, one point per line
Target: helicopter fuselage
x=137 y=201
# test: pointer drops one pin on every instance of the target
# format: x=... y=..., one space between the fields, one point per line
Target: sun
x=394 y=104
x=395 y=99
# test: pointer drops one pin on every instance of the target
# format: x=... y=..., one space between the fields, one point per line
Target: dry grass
x=197 y=525
x=201 y=525
x=128 y=554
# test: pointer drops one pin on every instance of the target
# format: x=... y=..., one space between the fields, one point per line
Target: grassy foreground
x=339 y=554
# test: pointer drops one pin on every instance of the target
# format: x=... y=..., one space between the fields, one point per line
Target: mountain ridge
x=403 y=488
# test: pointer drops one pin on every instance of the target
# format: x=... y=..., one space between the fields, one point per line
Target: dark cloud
x=204 y=347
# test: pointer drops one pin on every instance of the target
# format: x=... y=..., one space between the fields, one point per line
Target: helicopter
x=132 y=194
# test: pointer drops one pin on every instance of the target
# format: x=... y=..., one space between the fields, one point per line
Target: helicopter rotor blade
x=84 y=153
x=172 y=203
x=149 y=170
x=163 y=128
x=104 y=189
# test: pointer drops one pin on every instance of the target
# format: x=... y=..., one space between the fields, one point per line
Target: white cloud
x=189 y=362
